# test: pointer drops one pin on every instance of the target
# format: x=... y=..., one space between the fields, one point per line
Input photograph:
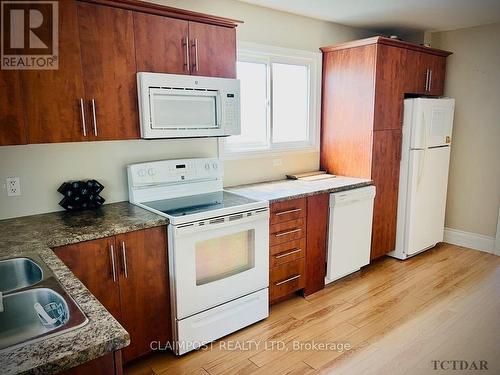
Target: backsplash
x=42 y=168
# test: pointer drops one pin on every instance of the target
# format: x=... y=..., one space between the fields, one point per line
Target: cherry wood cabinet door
x=213 y=50
x=52 y=97
x=144 y=289
x=385 y=175
x=437 y=65
x=317 y=241
x=161 y=44
x=108 y=59
x=389 y=87
x=12 y=124
x=92 y=264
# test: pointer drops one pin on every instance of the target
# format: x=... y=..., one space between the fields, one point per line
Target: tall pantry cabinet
x=364 y=84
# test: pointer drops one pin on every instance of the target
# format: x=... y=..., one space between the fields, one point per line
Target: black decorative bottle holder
x=81 y=195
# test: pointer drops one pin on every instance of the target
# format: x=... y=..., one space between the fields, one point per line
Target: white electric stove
x=218 y=247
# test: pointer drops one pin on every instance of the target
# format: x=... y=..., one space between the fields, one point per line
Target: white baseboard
x=470 y=240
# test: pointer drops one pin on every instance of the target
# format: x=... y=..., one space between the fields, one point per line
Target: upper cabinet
x=162 y=44
x=102 y=45
x=425 y=72
x=213 y=50
x=166 y=45
x=108 y=64
x=12 y=125
x=54 y=100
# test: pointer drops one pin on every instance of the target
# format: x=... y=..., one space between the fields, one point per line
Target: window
x=279 y=100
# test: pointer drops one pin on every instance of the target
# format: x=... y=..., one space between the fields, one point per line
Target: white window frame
x=260 y=53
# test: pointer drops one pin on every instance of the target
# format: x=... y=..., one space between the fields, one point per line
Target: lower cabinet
x=298 y=241
x=128 y=274
x=108 y=364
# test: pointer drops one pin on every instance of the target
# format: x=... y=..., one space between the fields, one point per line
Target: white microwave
x=182 y=106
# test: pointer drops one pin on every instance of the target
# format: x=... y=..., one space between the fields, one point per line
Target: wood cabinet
x=317 y=242
x=128 y=274
x=213 y=50
x=94 y=264
x=102 y=45
x=12 y=124
x=424 y=73
x=364 y=85
x=108 y=364
x=298 y=243
x=54 y=99
x=109 y=72
x=162 y=44
x=144 y=291
x=185 y=48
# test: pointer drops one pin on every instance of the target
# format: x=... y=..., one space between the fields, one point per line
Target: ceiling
x=394 y=16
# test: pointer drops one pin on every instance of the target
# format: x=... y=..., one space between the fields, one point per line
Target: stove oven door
x=218 y=260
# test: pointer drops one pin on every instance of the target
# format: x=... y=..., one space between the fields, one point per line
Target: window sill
x=257 y=154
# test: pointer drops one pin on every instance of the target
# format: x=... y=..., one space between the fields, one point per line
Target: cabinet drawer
x=288 y=210
x=287 y=231
x=286 y=279
x=286 y=252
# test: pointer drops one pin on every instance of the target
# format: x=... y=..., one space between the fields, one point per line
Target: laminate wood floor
x=397 y=317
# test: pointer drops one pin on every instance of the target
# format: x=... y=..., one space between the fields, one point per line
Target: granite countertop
x=281 y=190
x=37 y=234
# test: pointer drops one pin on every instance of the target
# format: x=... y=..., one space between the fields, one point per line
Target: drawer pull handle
x=288 y=211
x=288 y=232
x=287 y=280
x=287 y=254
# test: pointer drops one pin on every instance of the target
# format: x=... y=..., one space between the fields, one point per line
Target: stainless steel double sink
x=33 y=305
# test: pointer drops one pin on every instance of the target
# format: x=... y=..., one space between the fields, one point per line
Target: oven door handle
x=222 y=222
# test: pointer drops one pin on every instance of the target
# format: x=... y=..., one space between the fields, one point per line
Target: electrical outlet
x=13 y=186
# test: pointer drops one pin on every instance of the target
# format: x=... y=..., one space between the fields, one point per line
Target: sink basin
x=37 y=313
x=17 y=273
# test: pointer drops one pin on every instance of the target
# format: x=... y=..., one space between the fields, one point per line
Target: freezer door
x=432 y=122
x=426 y=198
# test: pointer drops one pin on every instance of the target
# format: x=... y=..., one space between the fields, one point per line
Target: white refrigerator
x=423 y=179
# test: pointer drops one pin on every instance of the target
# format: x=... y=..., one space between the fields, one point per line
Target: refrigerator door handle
x=421 y=165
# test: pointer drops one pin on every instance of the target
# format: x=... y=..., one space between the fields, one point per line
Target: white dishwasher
x=349 y=232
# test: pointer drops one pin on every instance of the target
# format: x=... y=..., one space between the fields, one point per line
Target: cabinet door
x=162 y=44
x=425 y=73
x=385 y=174
x=415 y=73
x=92 y=264
x=389 y=87
x=317 y=241
x=437 y=66
x=12 y=125
x=52 y=97
x=213 y=50
x=144 y=289
x=108 y=59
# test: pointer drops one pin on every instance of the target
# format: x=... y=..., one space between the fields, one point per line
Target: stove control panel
x=174 y=171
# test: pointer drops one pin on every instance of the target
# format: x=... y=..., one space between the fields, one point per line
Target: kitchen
x=117 y=303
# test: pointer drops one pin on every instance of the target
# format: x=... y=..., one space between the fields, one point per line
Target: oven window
x=221 y=257
x=170 y=111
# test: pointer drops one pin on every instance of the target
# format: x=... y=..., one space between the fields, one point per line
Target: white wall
x=473 y=79
x=42 y=168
